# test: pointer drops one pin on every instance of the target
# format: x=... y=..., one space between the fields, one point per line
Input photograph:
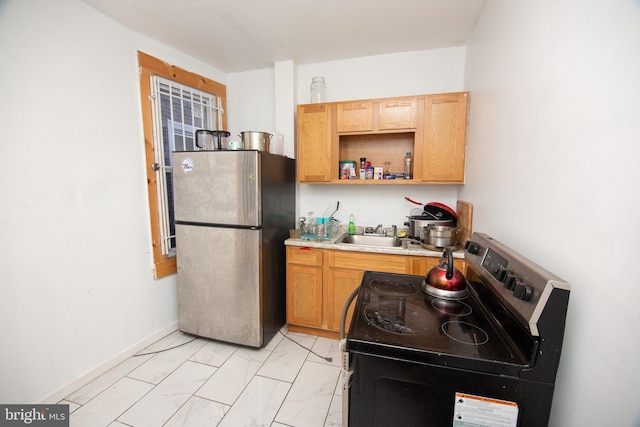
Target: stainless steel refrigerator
x=233 y=212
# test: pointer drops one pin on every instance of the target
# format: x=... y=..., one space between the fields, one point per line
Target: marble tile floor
x=201 y=382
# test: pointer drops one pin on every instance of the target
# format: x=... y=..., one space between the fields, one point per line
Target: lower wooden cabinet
x=319 y=282
x=340 y=284
x=304 y=286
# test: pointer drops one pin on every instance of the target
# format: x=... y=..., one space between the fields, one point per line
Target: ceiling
x=242 y=35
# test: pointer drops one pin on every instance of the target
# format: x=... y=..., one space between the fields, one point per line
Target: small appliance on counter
x=212 y=139
x=485 y=352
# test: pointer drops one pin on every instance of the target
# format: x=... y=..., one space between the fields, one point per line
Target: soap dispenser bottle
x=352 y=226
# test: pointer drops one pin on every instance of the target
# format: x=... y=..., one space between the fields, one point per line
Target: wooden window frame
x=165 y=265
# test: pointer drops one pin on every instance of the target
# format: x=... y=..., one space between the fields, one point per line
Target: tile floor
x=210 y=383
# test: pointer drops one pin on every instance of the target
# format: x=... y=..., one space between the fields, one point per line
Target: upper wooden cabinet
x=355 y=116
x=377 y=115
x=316 y=129
x=398 y=113
x=432 y=127
x=441 y=155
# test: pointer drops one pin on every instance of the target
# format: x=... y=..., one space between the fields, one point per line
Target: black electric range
x=433 y=361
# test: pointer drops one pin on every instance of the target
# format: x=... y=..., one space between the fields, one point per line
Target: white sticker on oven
x=187 y=165
x=478 y=411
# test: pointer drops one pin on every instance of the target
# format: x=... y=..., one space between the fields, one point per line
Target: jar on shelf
x=318 y=90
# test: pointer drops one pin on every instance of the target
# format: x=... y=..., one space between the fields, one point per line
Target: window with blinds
x=178 y=111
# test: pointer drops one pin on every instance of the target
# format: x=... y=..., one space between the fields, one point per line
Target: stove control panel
x=522 y=285
x=497 y=265
x=512 y=282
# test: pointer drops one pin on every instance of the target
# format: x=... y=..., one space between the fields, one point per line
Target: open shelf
x=386 y=150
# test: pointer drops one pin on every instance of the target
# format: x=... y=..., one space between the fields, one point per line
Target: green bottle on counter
x=352 y=226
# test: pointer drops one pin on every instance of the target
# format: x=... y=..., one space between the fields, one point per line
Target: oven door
x=345 y=378
x=384 y=391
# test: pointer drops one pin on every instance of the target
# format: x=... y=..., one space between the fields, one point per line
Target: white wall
x=264 y=101
x=552 y=171
x=251 y=102
x=413 y=73
x=76 y=283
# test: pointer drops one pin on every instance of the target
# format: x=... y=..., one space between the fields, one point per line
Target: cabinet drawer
x=372 y=262
x=304 y=256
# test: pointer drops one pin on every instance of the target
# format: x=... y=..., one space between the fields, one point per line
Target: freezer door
x=217 y=187
x=219 y=283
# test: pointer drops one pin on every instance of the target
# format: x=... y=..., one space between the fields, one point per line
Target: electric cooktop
x=393 y=317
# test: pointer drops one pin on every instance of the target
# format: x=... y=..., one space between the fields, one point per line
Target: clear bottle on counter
x=408 y=165
x=321 y=228
x=318 y=90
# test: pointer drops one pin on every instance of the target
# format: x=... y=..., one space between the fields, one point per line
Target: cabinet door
x=314 y=132
x=398 y=113
x=304 y=286
x=355 y=116
x=304 y=295
x=341 y=283
x=441 y=156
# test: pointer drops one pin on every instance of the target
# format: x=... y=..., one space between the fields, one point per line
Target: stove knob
x=510 y=281
x=501 y=274
x=523 y=292
x=471 y=247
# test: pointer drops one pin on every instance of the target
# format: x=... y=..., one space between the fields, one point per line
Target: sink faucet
x=394 y=229
x=381 y=230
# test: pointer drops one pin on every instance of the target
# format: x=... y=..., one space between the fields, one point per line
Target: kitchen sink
x=364 y=240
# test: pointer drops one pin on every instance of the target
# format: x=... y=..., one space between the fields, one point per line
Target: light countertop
x=412 y=249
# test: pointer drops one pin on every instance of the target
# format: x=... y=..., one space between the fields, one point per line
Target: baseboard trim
x=62 y=392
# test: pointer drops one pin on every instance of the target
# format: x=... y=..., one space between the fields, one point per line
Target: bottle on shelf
x=363 y=167
x=408 y=165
